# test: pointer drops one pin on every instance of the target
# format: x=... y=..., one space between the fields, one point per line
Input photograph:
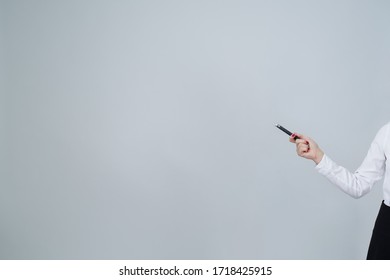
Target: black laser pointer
x=285 y=131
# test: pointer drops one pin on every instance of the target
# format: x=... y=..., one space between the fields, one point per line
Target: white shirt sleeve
x=371 y=170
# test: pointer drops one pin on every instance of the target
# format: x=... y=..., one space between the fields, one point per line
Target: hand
x=307 y=147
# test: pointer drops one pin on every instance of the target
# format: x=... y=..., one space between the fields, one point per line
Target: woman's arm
x=355 y=184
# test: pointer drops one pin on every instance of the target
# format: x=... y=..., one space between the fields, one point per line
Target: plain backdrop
x=145 y=129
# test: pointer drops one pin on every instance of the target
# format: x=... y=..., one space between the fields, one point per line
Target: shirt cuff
x=325 y=165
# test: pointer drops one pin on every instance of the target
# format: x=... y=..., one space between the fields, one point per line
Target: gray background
x=144 y=129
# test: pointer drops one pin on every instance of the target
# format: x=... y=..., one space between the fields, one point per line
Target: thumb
x=301 y=136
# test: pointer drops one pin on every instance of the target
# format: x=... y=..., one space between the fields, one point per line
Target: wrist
x=318 y=157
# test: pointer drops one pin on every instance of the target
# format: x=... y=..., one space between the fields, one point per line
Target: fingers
x=305 y=146
x=302 y=143
x=298 y=140
x=293 y=137
x=301 y=136
x=302 y=148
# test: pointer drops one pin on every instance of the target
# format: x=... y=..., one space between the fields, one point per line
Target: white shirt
x=371 y=170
